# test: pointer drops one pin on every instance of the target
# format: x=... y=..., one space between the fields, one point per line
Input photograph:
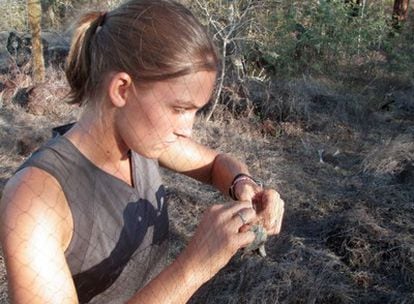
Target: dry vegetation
x=335 y=136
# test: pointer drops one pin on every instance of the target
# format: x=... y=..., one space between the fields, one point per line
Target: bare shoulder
x=31 y=197
x=35 y=226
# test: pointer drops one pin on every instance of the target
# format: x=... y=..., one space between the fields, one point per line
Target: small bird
x=257 y=246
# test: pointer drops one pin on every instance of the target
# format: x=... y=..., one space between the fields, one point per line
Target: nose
x=184 y=131
x=185 y=126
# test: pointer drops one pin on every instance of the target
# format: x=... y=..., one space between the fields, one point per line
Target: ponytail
x=78 y=65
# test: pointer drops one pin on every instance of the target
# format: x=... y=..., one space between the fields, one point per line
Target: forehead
x=196 y=87
x=198 y=77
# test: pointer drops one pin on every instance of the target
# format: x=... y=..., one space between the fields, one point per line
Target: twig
x=228 y=34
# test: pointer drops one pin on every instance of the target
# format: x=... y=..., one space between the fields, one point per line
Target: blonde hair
x=151 y=40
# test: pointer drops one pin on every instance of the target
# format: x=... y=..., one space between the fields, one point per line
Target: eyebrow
x=186 y=103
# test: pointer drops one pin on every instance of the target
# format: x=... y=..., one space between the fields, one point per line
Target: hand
x=267 y=202
x=218 y=237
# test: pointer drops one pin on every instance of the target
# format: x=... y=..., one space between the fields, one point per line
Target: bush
x=56 y=13
x=13 y=15
x=264 y=40
x=321 y=36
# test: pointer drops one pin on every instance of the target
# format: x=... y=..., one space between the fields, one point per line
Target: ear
x=119 y=88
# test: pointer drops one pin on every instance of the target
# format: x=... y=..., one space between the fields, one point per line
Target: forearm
x=223 y=171
x=175 y=284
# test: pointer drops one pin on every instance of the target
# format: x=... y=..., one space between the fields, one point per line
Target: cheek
x=133 y=127
x=161 y=124
x=143 y=129
x=186 y=121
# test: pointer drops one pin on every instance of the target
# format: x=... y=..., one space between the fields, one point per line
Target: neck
x=96 y=137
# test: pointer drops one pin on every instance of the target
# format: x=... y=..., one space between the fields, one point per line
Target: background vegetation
x=318 y=98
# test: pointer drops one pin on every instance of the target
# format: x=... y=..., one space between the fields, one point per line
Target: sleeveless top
x=120 y=233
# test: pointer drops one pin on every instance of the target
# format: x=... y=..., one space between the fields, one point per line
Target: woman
x=84 y=219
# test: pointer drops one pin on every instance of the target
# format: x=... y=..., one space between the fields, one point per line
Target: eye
x=180 y=110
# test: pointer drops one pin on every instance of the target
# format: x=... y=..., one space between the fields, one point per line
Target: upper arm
x=190 y=158
x=35 y=221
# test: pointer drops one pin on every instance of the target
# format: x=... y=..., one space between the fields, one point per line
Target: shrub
x=13 y=15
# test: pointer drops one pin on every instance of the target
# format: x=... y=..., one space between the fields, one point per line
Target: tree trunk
x=400 y=12
x=35 y=16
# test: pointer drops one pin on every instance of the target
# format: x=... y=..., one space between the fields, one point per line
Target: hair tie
x=102 y=17
x=100 y=21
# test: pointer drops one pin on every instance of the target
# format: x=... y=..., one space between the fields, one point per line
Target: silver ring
x=242 y=217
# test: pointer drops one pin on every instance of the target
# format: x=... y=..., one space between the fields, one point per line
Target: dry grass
x=348 y=231
x=347 y=236
x=27 y=115
x=393 y=159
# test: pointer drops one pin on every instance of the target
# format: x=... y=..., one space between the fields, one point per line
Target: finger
x=277 y=225
x=224 y=213
x=242 y=218
x=244 y=239
x=246 y=191
x=233 y=207
x=271 y=209
x=245 y=216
